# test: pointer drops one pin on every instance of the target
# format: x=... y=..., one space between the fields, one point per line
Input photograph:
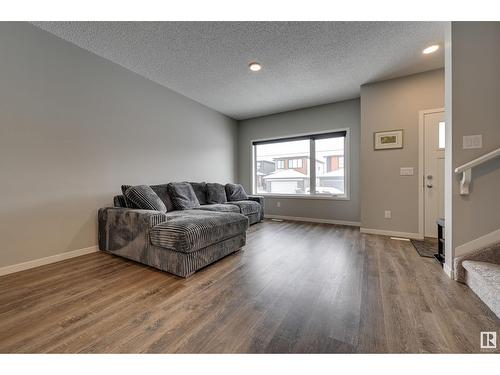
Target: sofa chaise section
x=191 y=230
x=179 y=242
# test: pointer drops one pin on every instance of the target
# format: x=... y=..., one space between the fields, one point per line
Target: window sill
x=305 y=196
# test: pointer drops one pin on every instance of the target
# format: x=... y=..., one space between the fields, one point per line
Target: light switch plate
x=472 y=141
x=406 y=171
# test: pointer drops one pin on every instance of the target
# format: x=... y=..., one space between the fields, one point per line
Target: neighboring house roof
x=286 y=173
x=336 y=173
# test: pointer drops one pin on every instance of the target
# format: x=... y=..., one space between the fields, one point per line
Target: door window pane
x=442 y=134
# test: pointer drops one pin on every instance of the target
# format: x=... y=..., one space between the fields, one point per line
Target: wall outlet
x=472 y=141
x=406 y=171
x=278 y=204
x=387 y=214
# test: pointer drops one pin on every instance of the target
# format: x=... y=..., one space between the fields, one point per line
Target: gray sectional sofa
x=185 y=231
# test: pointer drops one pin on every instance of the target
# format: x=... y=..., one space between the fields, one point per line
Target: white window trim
x=347 y=167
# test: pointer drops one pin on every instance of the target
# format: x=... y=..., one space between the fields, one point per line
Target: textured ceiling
x=304 y=63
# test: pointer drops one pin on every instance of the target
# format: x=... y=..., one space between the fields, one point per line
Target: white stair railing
x=466 y=169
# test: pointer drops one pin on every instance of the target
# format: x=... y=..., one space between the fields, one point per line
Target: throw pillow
x=235 y=192
x=145 y=198
x=216 y=193
x=160 y=190
x=128 y=202
x=183 y=196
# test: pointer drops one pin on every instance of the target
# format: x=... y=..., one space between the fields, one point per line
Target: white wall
x=74 y=127
x=314 y=119
x=473 y=97
x=388 y=105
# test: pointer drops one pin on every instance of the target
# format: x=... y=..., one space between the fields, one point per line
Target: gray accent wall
x=473 y=90
x=389 y=105
x=338 y=115
x=74 y=127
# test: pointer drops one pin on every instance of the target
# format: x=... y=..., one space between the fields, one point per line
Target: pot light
x=254 y=66
x=430 y=49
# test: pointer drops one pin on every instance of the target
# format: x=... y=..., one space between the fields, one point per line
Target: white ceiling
x=304 y=63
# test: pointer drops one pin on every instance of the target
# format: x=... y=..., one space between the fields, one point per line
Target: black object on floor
x=426 y=248
x=440 y=254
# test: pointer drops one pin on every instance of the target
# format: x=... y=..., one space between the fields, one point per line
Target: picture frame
x=388 y=140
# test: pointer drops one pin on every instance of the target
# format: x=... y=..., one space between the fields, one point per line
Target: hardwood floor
x=294 y=288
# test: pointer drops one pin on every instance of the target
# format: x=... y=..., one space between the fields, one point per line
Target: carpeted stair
x=480 y=270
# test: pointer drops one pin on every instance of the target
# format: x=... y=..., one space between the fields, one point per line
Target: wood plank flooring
x=294 y=288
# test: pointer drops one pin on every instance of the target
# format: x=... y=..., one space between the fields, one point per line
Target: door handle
x=429 y=180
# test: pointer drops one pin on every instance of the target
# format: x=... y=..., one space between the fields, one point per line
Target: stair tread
x=489 y=272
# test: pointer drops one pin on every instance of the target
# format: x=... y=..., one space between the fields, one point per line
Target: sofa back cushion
x=216 y=193
x=183 y=196
x=145 y=198
x=235 y=192
x=160 y=190
x=200 y=189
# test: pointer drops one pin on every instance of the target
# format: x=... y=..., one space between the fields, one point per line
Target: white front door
x=433 y=171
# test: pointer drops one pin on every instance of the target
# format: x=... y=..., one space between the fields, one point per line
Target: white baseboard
x=314 y=220
x=47 y=260
x=448 y=271
x=390 y=233
x=478 y=243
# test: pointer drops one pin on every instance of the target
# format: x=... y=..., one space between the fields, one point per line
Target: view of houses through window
x=284 y=166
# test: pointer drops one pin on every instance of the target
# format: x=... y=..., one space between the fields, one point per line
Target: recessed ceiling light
x=254 y=66
x=430 y=49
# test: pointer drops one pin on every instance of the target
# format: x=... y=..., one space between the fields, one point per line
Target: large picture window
x=310 y=165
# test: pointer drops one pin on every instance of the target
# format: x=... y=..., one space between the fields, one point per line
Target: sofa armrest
x=260 y=200
x=122 y=227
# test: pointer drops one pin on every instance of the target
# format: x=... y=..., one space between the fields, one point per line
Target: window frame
x=312 y=166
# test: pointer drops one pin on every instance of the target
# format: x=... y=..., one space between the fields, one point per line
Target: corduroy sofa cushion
x=223 y=207
x=200 y=189
x=247 y=207
x=235 y=192
x=183 y=196
x=190 y=230
x=216 y=193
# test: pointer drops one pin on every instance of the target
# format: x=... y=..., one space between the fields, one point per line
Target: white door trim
x=421 y=156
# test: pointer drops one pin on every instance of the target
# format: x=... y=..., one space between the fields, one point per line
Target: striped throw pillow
x=145 y=198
